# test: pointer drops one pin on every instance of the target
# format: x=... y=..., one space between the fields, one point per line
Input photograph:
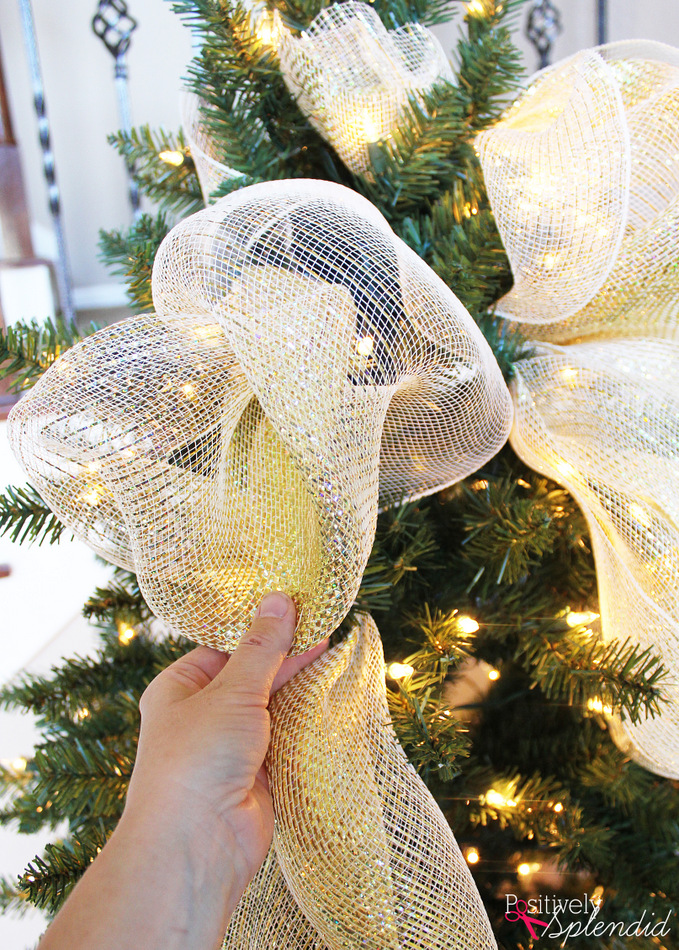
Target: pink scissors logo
x=521 y=913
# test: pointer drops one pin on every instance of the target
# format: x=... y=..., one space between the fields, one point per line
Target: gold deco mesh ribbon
x=303 y=364
x=211 y=172
x=362 y=856
x=583 y=178
x=352 y=77
x=603 y=420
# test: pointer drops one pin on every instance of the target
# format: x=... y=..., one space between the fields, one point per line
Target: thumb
x=260 y=652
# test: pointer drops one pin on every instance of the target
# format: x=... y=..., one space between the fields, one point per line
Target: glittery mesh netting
x=352 y=77
x=603 y=419
x=362 y=856
x=303 y=363
x=583 y=177
x=211 y=172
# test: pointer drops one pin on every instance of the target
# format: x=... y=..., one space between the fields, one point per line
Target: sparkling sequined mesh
x=583 y=177
x=603 y=420
x=303 y=366
x=352 y=77
x=362 y=857
x=211 y=172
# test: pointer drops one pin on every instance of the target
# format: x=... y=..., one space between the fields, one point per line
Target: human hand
x=204 y=735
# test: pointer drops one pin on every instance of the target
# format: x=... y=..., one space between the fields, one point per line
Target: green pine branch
x=27 y=518
x=578 y=667
x=175 y=185
x=49 y=879
x=131 y=255
x=121 y=600
x=28 y=349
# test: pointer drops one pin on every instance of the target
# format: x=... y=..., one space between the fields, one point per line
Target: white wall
x=82 y=104
x=82 y=107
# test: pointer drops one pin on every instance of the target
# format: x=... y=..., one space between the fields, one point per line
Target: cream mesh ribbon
x=302 y=363
x=583 y=178
x=603 y=420
x=211 y=172
x=362 y=856
x=352 y=77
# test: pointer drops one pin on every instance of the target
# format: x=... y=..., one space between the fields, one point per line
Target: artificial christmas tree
x=493 y=577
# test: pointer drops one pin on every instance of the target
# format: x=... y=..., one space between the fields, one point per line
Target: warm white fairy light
x=472 y=856
x=558 y=807
x=172 y=157
x=126 y=633
x=597 y=705
x=496 y=800
x=467 y=624
x=640 y=515
x=365 y=345
x=93 y=495
x=493 y=674
x=269 y=28
x=523 y=869
x=575 y=618
x=399 y=671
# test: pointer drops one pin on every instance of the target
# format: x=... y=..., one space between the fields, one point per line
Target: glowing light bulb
x=480 y=484
x=523 y=869
x=81 y=714
x=476 y=8
x=493 y=674
x=93 y=495
x=565 y=469
x=496 y=800
x=577 y=619
x=189 y=390
x=365 y=345
x=596 y=705
x=549 y=260
x=269 y=29
x=568 y=372
x=126 y=633
x=472 y=856
x=558 y=807
x=467 y=624
x=172 y=157
x=369 y=129
x=640 y=514
x=399 y=671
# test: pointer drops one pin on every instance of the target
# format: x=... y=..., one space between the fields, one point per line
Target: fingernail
x=275 y=604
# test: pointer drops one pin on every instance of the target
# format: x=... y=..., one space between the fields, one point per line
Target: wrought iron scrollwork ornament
x=542 y=28
x=114 y=27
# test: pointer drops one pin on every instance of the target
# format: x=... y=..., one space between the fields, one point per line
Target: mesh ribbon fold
x=303 y=362
x=583 y=179
x=352 y=77
x=362 y=856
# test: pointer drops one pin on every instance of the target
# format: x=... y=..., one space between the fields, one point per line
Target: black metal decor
x=61 y=265
x=114 y=27
x=602 y=22
x=542 y=28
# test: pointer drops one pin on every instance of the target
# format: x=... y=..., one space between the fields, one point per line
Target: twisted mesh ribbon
x=359 y=840
x=352 y=77
x=303 y=367
x=583 y=178
x=210 y=170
